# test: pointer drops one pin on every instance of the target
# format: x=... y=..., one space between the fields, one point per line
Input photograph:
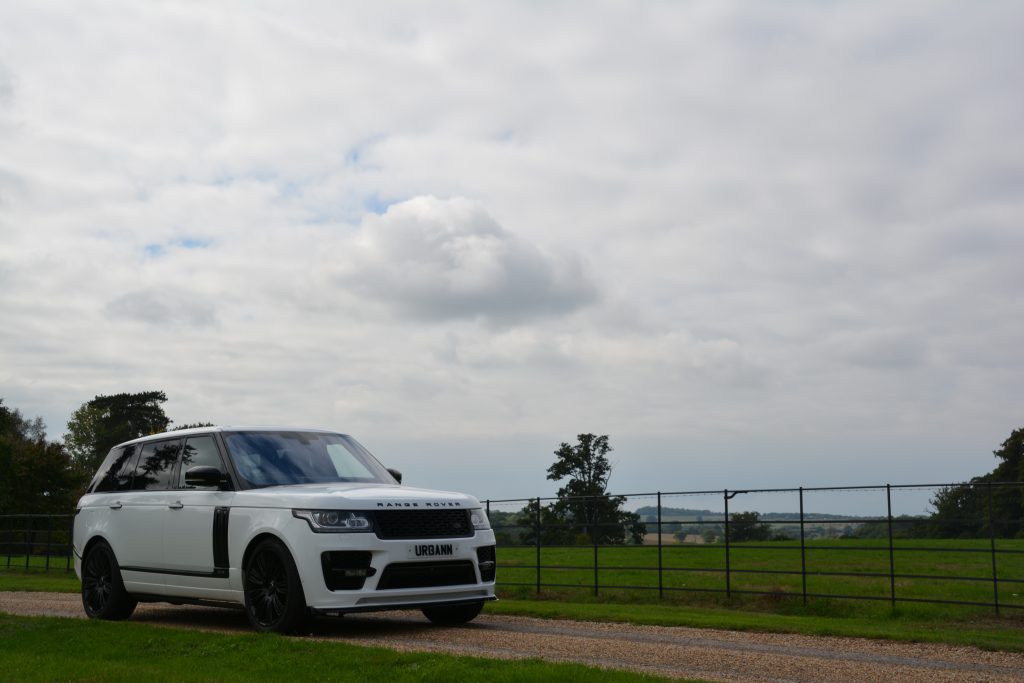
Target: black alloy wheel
x=274 y=600
x=103 y=592
x=453 y=615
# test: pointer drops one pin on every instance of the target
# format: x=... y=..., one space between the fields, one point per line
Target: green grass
x=59 y=581
x=694 y=574
x=105 y=651
x=989 y=633
x=54 y=563
x=693 y=583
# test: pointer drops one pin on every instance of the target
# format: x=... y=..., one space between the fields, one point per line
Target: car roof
x=223 y=428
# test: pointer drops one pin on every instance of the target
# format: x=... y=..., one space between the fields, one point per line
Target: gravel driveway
x=666 y=651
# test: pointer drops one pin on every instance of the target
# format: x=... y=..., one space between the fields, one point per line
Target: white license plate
x=426 y=551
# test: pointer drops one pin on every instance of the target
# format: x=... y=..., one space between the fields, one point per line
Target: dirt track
x=673 y=652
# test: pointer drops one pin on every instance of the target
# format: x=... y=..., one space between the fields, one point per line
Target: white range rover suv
x=287 y=522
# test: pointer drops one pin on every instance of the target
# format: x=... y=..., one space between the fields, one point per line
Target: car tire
x=103 y=592
x=453 y=615
x=274 y=601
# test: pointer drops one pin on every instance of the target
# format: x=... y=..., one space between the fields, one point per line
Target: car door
x=139 y=550
x=106 y=513
x=195 y=522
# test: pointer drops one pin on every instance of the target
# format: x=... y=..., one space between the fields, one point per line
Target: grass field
x=695 y=574
x=124 y=651
x=54 y=562
x=60 y=581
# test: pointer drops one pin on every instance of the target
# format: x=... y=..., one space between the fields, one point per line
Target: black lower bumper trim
x=388 y=608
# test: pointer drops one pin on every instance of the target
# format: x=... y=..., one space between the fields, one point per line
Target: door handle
x=176 y=505
x=116 y=505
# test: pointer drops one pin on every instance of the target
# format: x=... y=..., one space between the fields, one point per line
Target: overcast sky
x=756 y=243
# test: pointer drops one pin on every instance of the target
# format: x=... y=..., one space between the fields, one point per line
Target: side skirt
x=218 y=573
x=146 y=597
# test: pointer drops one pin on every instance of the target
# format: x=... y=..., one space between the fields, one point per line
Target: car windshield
x=267 y=458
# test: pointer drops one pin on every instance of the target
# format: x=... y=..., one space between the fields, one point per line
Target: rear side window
x=115 y=473
x=156 y=462
x=199 y=451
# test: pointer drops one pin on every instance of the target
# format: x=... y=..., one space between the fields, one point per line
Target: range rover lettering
x=287 y=522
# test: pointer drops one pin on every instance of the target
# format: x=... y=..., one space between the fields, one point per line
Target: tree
x=105 y=421
x=964 y=510
x=554 y=528
x=36 y=476
x=193 y=425
x=747 y=526
x=584 y=506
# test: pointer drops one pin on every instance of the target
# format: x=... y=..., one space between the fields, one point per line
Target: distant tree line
x=973 y=509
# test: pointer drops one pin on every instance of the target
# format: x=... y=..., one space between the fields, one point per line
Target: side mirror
x=203 y=476
x=394 y=473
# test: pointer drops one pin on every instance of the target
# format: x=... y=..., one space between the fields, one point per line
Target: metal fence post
x=537 y=539
x=728 y=567
x=49 y=538
x=27 y=544
x=992 y=544
x=70 y=549
x=593 y=537
x=892 y=552
x=660 y=568
x=803 y=549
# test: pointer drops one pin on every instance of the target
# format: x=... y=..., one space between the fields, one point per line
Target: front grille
x=416 y=524
x=346 y=570
x=426 y=574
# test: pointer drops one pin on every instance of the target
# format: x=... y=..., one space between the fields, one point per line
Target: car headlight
x=479 y=519
x=335 y=521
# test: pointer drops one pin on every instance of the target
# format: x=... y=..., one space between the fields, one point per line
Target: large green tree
x=36 y=476
x=105 y=421
x=584 y=509
x=990 y=504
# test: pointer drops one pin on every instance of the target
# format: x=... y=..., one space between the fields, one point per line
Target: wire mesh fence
x=878 y=543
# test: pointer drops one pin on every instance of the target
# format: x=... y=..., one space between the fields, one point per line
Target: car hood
x=354 y=497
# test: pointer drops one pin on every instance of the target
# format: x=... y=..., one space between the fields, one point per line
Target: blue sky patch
x=377 y=204
x=155 y=250
x=192 y=243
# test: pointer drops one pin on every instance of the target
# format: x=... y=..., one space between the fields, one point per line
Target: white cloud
x=6 y=87
x=444 y=259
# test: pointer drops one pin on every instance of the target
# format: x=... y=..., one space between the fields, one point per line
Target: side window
x=156 y=462
x=199 y=451
x=115 y=473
